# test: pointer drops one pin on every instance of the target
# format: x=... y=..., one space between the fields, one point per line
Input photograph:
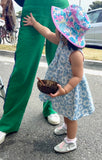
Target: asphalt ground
x=35 y=139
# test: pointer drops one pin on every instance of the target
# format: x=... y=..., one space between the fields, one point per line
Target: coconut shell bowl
x=47 y=86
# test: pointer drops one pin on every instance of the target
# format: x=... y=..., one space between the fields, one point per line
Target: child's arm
x=44 y=31
x=77 y=71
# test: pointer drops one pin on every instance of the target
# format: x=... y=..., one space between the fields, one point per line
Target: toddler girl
x=73 y=99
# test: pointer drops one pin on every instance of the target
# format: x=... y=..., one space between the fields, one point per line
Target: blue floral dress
x=78 y=102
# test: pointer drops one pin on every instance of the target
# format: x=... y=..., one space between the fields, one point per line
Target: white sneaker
x=65 y=147
x=2 y=136
x=61 y=130
x=54 y=119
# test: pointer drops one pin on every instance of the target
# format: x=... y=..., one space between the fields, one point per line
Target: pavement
x=35 y=139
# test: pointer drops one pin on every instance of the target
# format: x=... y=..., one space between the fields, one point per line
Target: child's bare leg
x=71 y=128
x=69 y=142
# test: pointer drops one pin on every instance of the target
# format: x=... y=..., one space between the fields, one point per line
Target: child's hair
x=69 y=44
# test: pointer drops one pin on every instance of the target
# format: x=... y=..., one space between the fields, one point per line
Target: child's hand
x=29 y=20
x=60 y=92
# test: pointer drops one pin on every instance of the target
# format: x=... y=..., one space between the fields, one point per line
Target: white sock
x=68 y=140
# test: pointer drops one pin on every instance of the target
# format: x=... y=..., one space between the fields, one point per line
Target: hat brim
x=58 y=17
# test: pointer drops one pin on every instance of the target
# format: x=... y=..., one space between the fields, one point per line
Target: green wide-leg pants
x=27 y=57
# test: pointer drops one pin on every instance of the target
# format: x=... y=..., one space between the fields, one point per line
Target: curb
x=96 y=65
x=7 y=53
x=92 y=64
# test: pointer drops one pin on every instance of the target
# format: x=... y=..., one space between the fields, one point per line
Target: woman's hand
x=60 y=92
x=3 y=3
x=29 y=20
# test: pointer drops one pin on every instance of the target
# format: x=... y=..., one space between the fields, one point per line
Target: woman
x=27 y=57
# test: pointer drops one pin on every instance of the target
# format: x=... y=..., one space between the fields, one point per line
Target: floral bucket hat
x=72 y=22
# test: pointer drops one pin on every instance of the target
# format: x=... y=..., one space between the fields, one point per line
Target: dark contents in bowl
x=47 y=86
